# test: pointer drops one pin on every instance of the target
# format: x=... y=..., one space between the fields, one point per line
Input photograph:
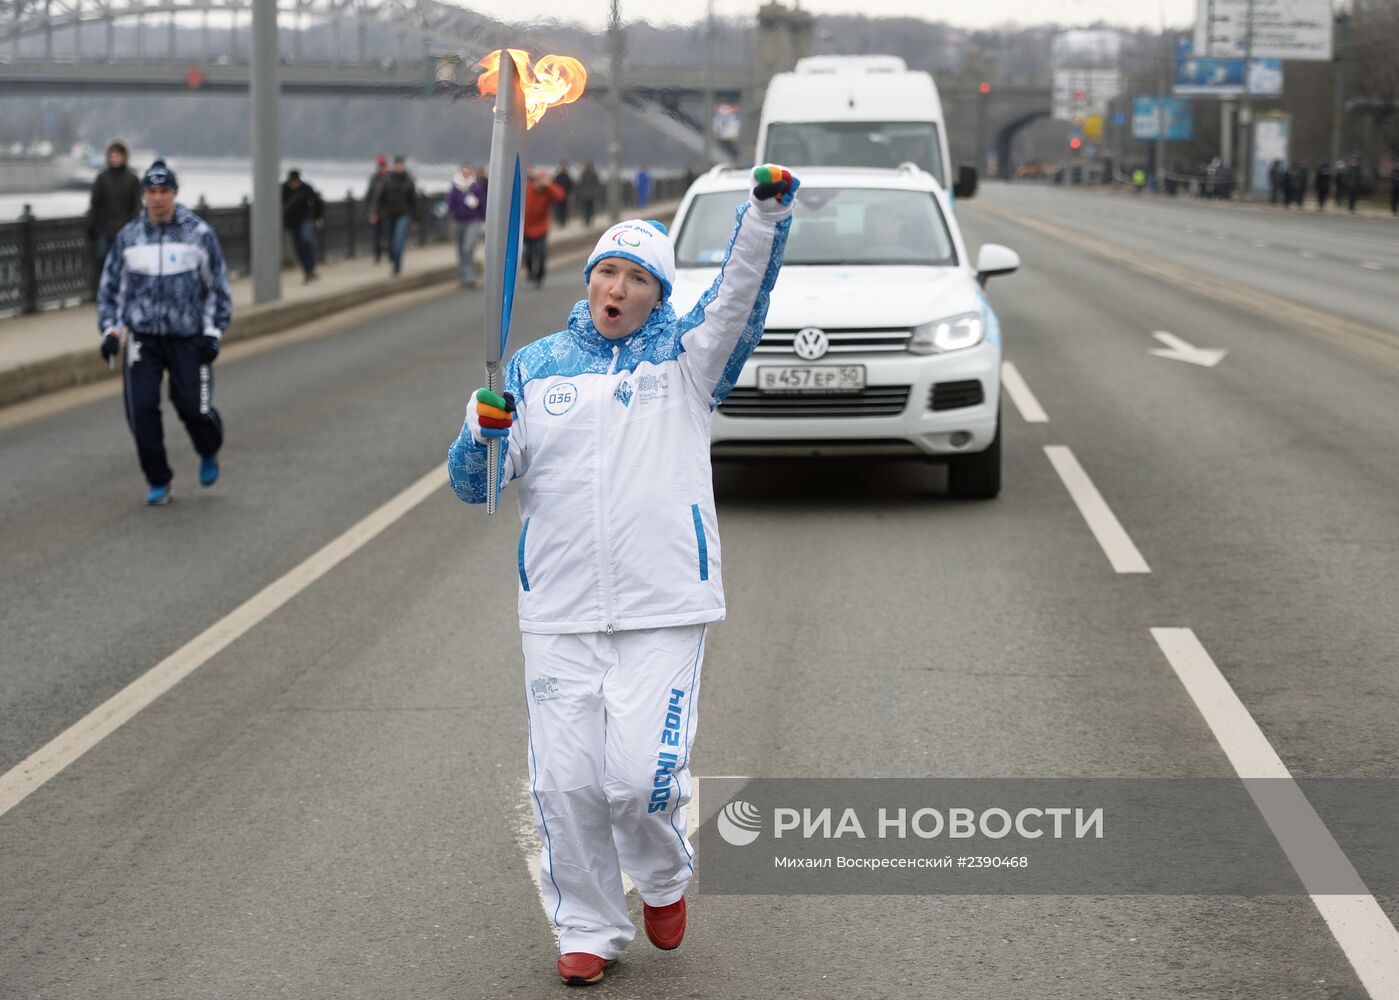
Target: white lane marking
x=1221 y=236
x=116 y=711
x=1117 y=546
x=1360 y=927
x=1309 y=254
x=1371 y=265
x=1178 y=350
x=1260 y=243
x=1030 y=410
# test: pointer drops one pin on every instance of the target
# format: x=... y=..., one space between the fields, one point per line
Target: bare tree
x=1373 y=85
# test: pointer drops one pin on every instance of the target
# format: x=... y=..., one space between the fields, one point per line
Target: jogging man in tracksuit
x=165 y=284
x=606 y=425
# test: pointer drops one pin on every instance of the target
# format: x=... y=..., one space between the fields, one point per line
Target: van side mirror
x=993 y=258
x=966 y=182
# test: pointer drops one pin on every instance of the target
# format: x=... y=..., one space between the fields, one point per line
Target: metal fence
x=50 y=263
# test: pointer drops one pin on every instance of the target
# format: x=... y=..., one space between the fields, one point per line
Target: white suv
x=878 y=341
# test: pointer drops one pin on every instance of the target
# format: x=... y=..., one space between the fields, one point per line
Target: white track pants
x=611 y=722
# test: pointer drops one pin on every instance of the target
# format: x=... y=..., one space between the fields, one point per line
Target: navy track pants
x=147 y=359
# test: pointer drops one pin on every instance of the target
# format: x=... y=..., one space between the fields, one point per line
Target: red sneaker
x=578 y=968
x=665 y=925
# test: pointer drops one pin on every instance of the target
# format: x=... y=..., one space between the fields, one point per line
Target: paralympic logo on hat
x=623 y=238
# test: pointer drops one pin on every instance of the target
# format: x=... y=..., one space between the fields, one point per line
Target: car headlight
x=951 y=334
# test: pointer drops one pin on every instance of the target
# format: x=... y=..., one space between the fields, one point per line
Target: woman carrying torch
x=605 y=425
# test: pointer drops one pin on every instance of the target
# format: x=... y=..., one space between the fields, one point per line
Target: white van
x=858 y=111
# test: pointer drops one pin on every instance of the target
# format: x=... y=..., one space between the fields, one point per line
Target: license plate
x=811 y=378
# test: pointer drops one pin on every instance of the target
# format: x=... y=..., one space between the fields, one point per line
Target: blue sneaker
x=208 y=470
x=157 y=496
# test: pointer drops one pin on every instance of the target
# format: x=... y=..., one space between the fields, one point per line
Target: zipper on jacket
x=160 y=275
x=606 y=553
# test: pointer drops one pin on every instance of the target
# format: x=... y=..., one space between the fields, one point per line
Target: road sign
x=1083 y=92
x=1282 y=29
x=1200 y=76
x=1146 y=119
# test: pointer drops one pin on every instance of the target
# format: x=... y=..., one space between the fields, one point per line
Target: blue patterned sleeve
x=467 y=461
x=218 y=302
x=111 y=293
x=725 y=325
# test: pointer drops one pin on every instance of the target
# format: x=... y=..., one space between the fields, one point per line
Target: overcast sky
x=980 y=13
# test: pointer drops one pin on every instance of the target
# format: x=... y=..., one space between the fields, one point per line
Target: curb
x=67 y=371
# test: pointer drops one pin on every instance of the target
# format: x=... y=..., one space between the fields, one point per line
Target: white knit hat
x=643 y=242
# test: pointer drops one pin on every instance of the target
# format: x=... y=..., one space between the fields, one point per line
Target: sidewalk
x=1364 y=210
x=57 y=349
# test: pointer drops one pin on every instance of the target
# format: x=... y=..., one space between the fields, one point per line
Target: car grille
x=875 y=401
x=842 y=341
x=955 y=395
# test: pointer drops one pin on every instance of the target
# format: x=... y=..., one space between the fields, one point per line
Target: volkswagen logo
x=811 y=343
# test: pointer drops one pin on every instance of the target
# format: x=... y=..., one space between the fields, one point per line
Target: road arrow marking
x=1178 y=350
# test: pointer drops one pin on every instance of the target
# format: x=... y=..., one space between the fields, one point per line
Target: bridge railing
x=51 y=263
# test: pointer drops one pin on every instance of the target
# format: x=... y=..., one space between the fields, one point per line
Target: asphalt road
x=333 y=805
x=1342 y=264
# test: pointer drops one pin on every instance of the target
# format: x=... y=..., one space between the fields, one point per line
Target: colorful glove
x=490 y=416
x=111 y=344
x=771 y=181
x=208 y=350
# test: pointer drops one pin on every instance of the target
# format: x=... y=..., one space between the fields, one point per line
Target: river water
x=224 y=182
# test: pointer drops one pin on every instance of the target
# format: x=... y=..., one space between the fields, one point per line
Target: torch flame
x=554 y=80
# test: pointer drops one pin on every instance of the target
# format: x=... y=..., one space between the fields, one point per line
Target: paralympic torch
x=522 y=96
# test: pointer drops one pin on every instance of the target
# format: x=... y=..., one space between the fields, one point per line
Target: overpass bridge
x=405 y=49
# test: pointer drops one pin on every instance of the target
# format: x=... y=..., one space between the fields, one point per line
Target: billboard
x=1282 y=29
x=1270 y=140
x=1179 y=116
x=1079 y=93
x=1200 y=76
x=1086 y=67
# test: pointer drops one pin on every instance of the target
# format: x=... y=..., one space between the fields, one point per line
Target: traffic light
x=1075 y=144
x=985 y=88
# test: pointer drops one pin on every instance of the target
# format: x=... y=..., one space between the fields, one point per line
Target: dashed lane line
x=1030 y=410
x=50 y=759
x=1369 y=941
x=1366 y=341
x=1106 y=528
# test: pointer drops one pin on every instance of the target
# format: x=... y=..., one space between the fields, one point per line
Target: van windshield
x=856 y=144
x=844 y=226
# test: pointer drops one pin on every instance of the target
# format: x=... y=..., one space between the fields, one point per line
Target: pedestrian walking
x=1394 y=189
x=619 y=562
x=396 y=203
x=1138 y=180
x=165 y=286
x=1300 y=175
x=115 y=200
x=588 y=191
x=540 y=196
x=303 y=214
x=1323 y=184
x=1276 y=173
x=1352 y=183
x=378 y=227
x=643 y=187
x=466 y=203
x=564 y=180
